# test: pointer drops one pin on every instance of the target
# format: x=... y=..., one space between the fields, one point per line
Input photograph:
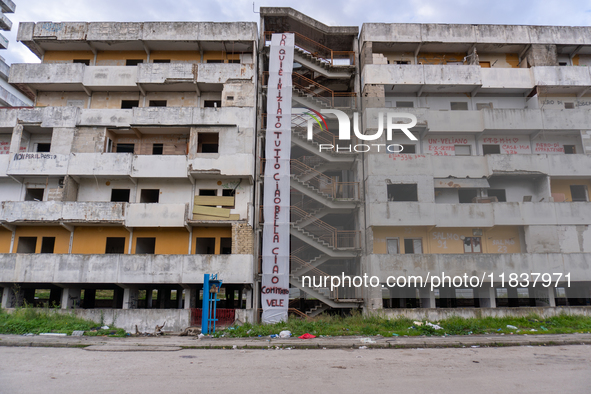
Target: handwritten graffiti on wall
x=32 y=156
x=5 y=148
x=444 y=146
x=548 y=147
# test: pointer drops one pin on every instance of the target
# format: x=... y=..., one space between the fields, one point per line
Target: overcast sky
x=348 y=12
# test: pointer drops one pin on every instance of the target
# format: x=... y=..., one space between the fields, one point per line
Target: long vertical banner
x=275 y=280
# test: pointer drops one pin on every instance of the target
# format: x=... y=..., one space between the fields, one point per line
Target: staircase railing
x=319 y=51
x=326 y=184
x=329 y=234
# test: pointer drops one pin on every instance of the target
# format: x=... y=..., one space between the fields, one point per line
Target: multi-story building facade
x=133 y=174
x=140 y=166
x=9 y=95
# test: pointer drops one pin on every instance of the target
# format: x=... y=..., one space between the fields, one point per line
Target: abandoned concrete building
x=140 y=166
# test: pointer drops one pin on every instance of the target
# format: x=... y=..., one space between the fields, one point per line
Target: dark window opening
x=208 y=142
x=578 y=193
x=82 y=61
x=234 y=61
x=498 y=193
x=405 y=104
x=413 y=246
x=570 y=149
x=133 y=62
x=125 y=148
x=43 y=147
x=409 y=149
x=212 y=103
x=26 y=245
x=145 y=245
x=157 y=149
x=157 y=103
x=47 y=244
x=161 y=60
x=491 y=149
x=208 y=192
x=129 y=104
x=34 y=195
x=403 y=192
x=230 y=98
x=119 y=195
x=472 y=245
x=214 y=61
x=467 y=195
x=402 y=62
x=226 y=246
x=562 y=63
x=229 y=193
x=205 y=246
x=569 y=105
x=459 y=106
x=148 y=196
x=115 y=245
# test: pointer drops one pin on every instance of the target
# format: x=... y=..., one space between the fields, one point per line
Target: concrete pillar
x=551 y=297
x=15 y=142
x=130 y=297
x=89 y=298
x=12 y=299
x=486 y=296
x=55 y=296
x=149 y=298
x=427 y=298
x=249 y=298
x=191 y=294
x=71 y=298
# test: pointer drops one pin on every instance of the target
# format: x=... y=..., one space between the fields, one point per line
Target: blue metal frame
x=209 y=305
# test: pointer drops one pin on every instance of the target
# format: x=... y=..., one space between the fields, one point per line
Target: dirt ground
x=510 y=370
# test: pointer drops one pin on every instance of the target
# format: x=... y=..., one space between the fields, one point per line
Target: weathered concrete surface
x=88 y=212
x=124 y=269
x=510 y=370
x=156 y=215
x=145 y=319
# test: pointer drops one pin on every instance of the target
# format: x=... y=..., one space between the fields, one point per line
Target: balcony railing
x=319 y=51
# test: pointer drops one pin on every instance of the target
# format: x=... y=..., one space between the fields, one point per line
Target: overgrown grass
x=356 y=324
x=41 y=320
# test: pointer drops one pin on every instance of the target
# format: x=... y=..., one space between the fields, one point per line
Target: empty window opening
x=570 y=149
x=462 y=150
x=145 y=245
x=467 y=196
x=157 y=103
x=235 y=61
x=480 y=106
x=226 y=246
x=82 y=61
x=410 y=149
x=402 y=62
x=472 y=245
x=161 y=61
x=214 y=61
x=115 y=245
x=208 y=192
x=133 y=62
x=498 y=193
x=26 y=245
x=562 y=63
x=459 y=106
x=403 y=192
x=125 y=148
x=392 y=245
x=491 y=149
x=119 y=195
x=208 y=142
x=157 y=149
x=579 y=193
x=43 y=147
x=148 y=196
x=109 y=145
x=569 y=105
x=229 y=193
x=47 y=244
x=230 y=98
x=128 y=104
x=413 y=246
x=212 y=103
x=484 y=64
x=205 y=246
x=405 y=104
x=34 y=194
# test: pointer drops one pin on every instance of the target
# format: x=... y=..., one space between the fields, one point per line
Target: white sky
x=347 y=12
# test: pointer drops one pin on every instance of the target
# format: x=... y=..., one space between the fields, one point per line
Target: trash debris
x=533 y=329
x=200 y=336
x=307 y=336
x=543 y=328
x=434 y=326
x=105 y=327
x=274 y=336
x=362 y=347
x=77 y=333
x=367 y=340
x=395 y=335
x=234 y=347
x=475 y=346
x=53 y=334
x=417 y=323
x=499 y=329
x=30 y=334
x=285 y=334
x=511 y=327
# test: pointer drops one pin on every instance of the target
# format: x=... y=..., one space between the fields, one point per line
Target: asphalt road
x=509 y=370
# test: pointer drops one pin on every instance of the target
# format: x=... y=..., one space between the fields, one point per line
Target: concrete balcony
x=5 y=23
x=159 y=166
x=207 y=165
x=154 y=76
x=562 y=79
x=56 y=77
x=4 y=159
x=37 y=164
x=7 y=6
x=384 y=265
x=109 y=78
x=4 y=69
x=479 y=166
x=477 y=215
x=506 y=80
x=54 y=211
x=156 y=215
x=123 y=269
x=100 y=164
x=3 y=42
